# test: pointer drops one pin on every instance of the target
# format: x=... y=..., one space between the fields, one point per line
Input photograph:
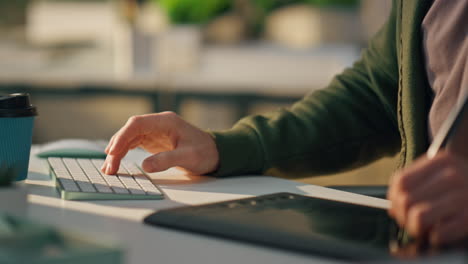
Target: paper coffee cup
x=16 y=126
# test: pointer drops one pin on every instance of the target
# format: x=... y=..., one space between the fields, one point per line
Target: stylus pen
x=448 y=128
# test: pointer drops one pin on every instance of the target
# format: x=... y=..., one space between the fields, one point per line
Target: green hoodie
x=376 y=108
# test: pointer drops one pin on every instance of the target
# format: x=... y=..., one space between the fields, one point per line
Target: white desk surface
x=121 y=221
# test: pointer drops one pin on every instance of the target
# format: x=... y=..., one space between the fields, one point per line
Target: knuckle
x=420 y=213
x=417 y=216
x=449 y=175
x=133 y=120
x=405 y=179
x=168 y=118
x=443 y=156
x=446 y=158
x=405 y=201
x=117 y=145
x=449 y=156
x=169 y=115
x=453 y=176
x=118 y=138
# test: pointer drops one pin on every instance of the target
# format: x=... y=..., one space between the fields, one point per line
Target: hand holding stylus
x=172 y=141
x=430 y=198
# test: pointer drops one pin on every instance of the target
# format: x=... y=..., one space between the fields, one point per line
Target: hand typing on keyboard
x=172 y=141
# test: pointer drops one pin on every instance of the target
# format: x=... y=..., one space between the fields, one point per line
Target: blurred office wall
x=82 y=116
x=106 y=60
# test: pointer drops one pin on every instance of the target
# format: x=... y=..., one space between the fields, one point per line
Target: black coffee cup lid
x=16 y=105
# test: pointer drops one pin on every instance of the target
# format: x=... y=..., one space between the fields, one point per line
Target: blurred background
x=91 y=64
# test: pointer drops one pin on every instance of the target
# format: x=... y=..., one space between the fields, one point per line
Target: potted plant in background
x=194 y=12
x=293 y=23
x=178 y=49
x=232 y=21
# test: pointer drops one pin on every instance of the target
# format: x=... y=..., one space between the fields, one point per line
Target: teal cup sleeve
x=15 y=147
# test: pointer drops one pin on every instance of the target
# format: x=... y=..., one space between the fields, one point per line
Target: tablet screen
x=309 y=217
x=292 y=222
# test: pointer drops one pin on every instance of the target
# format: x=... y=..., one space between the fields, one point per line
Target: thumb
x=163 y=161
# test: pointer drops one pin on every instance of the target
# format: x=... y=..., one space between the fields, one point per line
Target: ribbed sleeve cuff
x=239 y=152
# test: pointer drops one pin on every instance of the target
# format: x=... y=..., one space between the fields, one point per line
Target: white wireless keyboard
x=82 y=179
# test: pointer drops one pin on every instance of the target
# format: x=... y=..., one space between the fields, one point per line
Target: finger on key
x=109 y=144
x=112 y=164
x=121 y=143
x=126 y=135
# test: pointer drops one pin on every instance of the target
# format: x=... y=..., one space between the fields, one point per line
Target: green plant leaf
x=194 y=11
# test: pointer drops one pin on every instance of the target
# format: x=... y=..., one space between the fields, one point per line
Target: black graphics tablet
x=303 y=224
x=292 y=222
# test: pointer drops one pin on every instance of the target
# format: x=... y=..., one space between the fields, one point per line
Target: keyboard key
x=153 y=191
x=137 y=191
x=103 y=188
x=122 y=170
x=86 y=186
x=129 y=182
x=143 y=181
x=112 y=180
x=69 y=185
x=133 y=169
x=94 y=176
x=63 y=174
x=146 y=184
x=98 y=163
x=132 y=186
x=120 y=190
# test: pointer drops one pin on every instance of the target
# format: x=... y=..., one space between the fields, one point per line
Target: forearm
x=330 y=130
